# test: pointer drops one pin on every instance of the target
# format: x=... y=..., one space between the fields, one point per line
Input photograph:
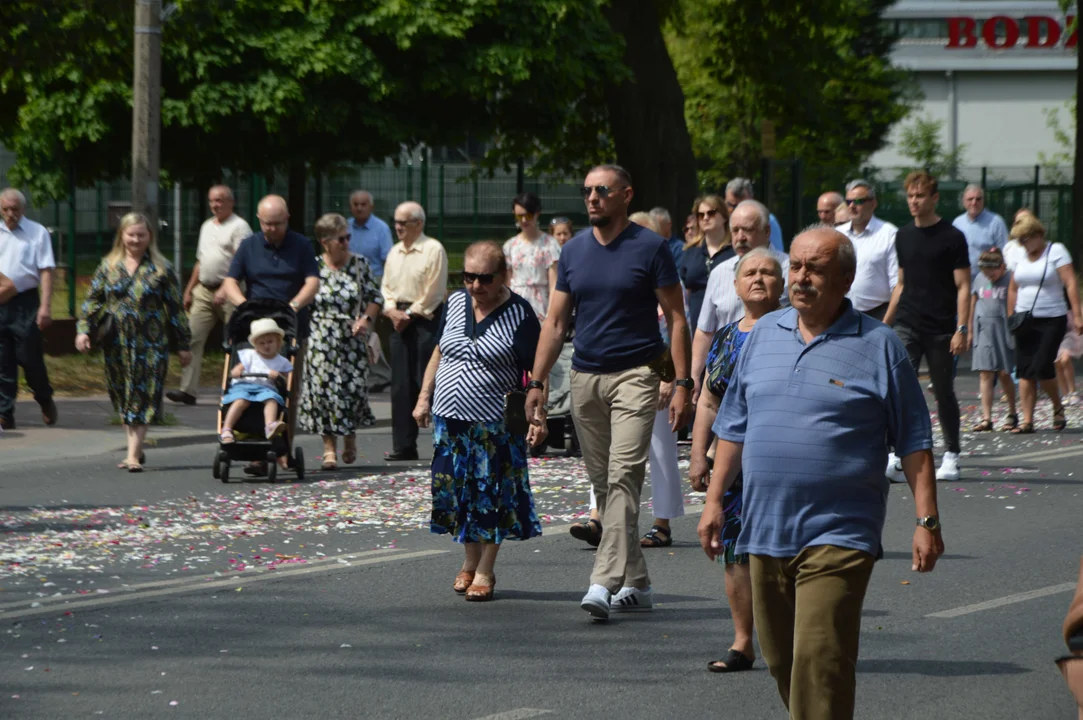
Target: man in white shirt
x=740 y=189
x=204 y=299
x=874 y=242
x=26 y=260
x=750 y=228
x=983 y=228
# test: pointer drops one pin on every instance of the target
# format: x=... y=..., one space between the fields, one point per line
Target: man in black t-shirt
x=930 y=305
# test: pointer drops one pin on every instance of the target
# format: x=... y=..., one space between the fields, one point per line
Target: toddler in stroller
x=254 y=380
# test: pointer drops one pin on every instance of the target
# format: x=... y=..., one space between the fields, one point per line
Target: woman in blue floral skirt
x=480 y=487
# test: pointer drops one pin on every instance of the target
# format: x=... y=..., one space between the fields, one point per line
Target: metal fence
x=462 y=208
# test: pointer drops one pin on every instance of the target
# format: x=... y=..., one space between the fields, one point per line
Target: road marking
x=1006 y=600
x=209 y=582
x=1052 y=454
x=518 y=714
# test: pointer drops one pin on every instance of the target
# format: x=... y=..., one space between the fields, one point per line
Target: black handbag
x=515 y=419
x=106 y=329
x=1020 y=321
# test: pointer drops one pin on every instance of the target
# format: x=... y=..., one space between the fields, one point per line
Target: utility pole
x=147 y=109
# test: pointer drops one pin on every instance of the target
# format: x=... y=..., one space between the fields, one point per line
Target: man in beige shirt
x=414 y=287
x=204 y=298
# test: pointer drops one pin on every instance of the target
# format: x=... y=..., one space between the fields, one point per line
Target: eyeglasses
x=857 y=201
x=602 y=190
x=403 y=223
x=341 y=238
x=706 y=214
x=525 y=217
x=483 y=278
x=689 y=228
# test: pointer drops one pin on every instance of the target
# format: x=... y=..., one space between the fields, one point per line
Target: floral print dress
x=335 y=399
x=530 y=262
x=145 y=308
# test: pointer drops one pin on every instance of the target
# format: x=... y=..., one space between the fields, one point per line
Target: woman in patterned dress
x=758 y=280
x=480 y=486
x=135 y=292
x=335 y=401
x=532 y=256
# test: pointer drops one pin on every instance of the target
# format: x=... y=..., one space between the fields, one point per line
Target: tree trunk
x=296 y=191
x=646 y=114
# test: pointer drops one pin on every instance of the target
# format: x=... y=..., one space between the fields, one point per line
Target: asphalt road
x=134 y=596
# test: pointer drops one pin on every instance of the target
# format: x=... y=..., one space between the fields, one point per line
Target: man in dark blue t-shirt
x=277 y=264
x=615 y=274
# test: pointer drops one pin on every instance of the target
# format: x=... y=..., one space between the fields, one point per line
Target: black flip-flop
x=735 y=661
x=654 y=537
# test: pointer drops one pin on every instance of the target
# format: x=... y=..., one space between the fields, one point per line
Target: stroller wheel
x=272 y=466
x=299 y=462
x=223 y=472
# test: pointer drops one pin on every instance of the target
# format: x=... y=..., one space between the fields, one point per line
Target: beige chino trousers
x=614 y=417
x=202 y=318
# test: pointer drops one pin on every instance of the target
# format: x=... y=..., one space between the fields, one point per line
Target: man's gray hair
x=761 y=211
x=224 y=188
x=846 y=255
x=758 y=253
x=355 y=193
x=413 y=210
x=861 y=183
x=741 y=187
x=14 y=194
x=660 y=215
x=972 y=186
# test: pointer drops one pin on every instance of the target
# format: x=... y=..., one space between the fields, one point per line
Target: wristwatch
x=929 y=522
x=294 y=305
x=961 y=329
x=409 y=313
x=535 y=385
x=686 y=383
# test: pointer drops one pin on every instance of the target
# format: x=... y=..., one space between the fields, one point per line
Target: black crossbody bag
x=1021 y=321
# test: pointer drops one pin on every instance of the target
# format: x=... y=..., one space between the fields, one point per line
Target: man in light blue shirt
x=370 y=237
x=819 y=393
x=984 y=229
x=739 y=189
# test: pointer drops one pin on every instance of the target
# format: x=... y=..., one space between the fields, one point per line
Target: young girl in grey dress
x=991 y=342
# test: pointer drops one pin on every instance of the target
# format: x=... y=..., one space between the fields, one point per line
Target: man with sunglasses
x=874 y=242
x=219 y=238
x=616 y=274
x=414 y=287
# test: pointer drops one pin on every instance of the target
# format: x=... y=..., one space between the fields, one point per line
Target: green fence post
x=984 y=171
x=1037 y=190
x=71 y=240
x=475 y=208
x=520 y=176
x=440 y=185
x=424 y=177
x=410 y=179
x=252 y=192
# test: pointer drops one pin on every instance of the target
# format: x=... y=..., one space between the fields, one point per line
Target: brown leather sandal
x=463 y=581
x=481 y=593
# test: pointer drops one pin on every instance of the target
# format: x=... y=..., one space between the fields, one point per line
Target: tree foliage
x=262 y=85
x=817 y=69
x=920 y=142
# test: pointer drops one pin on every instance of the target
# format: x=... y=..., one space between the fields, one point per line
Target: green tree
x=920 y=142
x=817 y=69
x=1053 y=164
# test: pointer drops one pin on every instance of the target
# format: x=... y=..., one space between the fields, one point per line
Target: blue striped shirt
x=816 y=421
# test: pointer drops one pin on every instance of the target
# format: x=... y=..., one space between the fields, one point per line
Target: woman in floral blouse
x=335 y=400
x=532 y=256
x=133 y=306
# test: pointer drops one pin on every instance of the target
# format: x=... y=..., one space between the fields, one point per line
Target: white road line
x=1052 y=454
x=518 y=714
x=1006 y=600
x=193 y=584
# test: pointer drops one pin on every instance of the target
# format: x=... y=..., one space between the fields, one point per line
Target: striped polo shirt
x=482 y=361
x=816 y=421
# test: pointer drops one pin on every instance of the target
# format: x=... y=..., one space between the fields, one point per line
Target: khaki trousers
x=807 y=611
x=202 y=318
x=614 y=416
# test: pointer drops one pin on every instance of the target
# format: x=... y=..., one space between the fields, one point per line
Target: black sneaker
x=401 y=455
x=179 y=396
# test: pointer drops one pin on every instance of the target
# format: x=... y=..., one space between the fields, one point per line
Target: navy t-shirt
x=276 y=273
x=612 y=288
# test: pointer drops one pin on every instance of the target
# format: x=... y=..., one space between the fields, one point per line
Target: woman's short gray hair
x=760 y=253
x=330 y=224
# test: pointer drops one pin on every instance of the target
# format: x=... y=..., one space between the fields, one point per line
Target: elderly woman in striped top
x=480 y=488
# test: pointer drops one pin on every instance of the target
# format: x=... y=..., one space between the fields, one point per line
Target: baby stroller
x=251 y=444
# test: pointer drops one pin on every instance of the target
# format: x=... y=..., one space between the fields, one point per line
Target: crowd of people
x=628 y=332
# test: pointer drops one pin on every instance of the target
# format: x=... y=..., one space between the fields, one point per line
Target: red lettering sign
x=1011 y=32
x=961 y=32
x=1035 y=23
x=1002 y=32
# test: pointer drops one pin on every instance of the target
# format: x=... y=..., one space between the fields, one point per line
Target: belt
x=210 y=286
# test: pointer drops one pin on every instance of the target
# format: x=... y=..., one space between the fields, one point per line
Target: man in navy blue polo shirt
x=615 y=274
x=277 y=263
x=819 y=393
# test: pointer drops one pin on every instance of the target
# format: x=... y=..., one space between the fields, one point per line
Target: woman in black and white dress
x=335 y=401
x=480 y=487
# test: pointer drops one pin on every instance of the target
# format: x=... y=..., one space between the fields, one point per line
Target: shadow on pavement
x=941 y=668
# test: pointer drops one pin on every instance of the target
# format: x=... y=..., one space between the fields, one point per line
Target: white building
x=987 y=71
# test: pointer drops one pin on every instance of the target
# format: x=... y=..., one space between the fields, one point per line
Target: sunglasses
x=602 y=190
x=857 y=201
x=341 y=238
x=706 y=214
x=525 y=217
x=484 y=278
x=403 y=223
x=689 y=228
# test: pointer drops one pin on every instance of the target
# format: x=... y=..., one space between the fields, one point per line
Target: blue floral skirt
x=480 y=486
x=732 y=507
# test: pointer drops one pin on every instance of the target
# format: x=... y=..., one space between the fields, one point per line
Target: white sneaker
x=596 y=602
x=949 y=468
x=894 y=471
x=631 y=599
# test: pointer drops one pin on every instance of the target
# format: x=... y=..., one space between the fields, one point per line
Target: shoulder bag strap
x=1045 y=268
